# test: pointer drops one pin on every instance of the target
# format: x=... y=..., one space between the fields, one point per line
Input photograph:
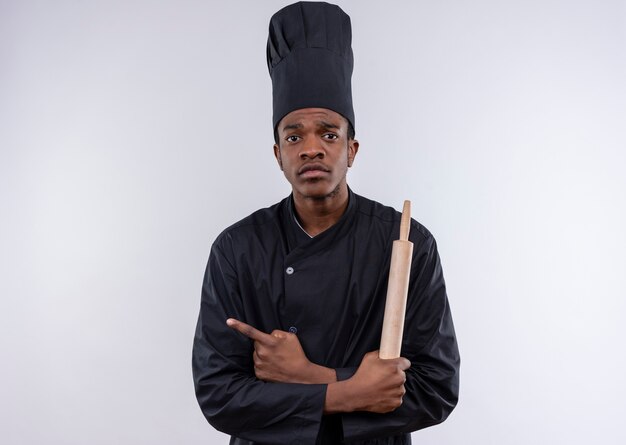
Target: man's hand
x=279 y=357
x=377 y=386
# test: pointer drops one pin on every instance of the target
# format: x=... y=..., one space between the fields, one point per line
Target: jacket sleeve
x=232 y=399
x=429 y=342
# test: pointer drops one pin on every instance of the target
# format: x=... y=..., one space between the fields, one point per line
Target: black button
x=293 y=330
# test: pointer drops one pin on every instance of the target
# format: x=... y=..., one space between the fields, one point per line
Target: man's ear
x=277 y=156
x=353 y=148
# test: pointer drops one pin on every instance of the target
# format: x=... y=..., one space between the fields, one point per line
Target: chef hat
x=309 y=56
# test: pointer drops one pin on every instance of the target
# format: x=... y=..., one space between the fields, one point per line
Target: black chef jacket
x=330 y=289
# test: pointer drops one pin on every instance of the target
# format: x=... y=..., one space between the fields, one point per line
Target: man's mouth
x=313 y=170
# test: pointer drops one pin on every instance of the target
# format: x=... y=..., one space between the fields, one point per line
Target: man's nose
x=312 y=149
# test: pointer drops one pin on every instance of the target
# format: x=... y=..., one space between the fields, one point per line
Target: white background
x=133 y=132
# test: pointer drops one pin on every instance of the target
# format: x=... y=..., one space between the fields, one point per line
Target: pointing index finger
x=249 y=331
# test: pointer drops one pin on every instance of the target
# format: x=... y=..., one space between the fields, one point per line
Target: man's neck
x=317 y=215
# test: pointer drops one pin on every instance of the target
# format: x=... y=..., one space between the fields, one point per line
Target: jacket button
x=289 y=270
x=293 y=330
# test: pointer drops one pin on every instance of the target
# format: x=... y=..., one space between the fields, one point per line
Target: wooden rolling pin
x=397 y=289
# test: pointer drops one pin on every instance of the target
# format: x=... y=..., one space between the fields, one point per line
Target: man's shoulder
x=387 y=215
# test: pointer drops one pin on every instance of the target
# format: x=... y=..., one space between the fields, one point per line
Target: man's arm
x=429 y=342
x=377 y=386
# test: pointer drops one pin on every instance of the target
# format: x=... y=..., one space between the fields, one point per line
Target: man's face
x=314 y=152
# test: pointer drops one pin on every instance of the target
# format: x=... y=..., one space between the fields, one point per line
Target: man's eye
x=331 y=136
x=292 y=138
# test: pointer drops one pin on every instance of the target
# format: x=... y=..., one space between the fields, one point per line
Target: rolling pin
x=397 y=289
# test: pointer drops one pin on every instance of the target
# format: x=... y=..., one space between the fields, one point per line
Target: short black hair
x=351 y=132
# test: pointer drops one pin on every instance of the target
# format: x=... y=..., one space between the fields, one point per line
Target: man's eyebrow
x=295 y=126
x=329 y=125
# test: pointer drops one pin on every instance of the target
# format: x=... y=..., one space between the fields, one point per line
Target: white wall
x=133 y=132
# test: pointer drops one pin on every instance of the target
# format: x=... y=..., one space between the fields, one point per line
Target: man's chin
x=319 y=193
